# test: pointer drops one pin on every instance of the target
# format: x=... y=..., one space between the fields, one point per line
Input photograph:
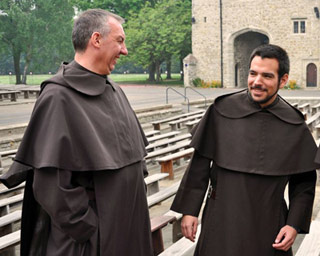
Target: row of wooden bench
x=13 y=94
x=183 y=245
x=176 y=121
x=9 y=217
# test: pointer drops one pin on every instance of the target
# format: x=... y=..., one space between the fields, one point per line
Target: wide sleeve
x=193 y=186
x=67 y=204
x=301 y=197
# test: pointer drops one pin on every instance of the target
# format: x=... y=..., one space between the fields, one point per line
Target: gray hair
x=88 y=22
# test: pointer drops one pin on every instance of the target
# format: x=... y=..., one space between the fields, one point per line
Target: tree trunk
x=24 y=75
x=152 y=69
x=159 y=78
x=26 y=66
x=181 y=70
x=168 y=62
x=16 y=63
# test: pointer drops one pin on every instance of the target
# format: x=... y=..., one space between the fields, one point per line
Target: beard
x=259 y=87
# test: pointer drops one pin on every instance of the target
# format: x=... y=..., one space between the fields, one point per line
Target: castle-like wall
x=272 y=19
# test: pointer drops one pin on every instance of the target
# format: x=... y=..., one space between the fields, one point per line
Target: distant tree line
x=35 y=35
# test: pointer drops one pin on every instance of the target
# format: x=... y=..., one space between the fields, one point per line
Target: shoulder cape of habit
x=81 y=121
x=239 y=135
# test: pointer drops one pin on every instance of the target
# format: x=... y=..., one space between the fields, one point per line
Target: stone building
x=224 y=33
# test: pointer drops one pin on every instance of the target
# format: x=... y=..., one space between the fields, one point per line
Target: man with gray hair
x=82 y=155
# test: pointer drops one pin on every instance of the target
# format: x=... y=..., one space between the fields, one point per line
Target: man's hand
x=285 y=238
x=189 y=225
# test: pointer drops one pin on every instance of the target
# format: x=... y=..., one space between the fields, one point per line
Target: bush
x=198 y=82
x=292 y=85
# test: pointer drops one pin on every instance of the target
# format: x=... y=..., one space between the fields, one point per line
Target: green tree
x=157 y=33
x=120 y=7
x=34 y=29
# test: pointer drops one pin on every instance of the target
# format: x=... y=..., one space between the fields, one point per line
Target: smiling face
x=112 y=46
x=263 y=80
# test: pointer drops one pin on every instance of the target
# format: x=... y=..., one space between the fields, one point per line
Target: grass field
x=119 y=78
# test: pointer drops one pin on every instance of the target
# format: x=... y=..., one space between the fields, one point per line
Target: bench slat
x=156 y=124
x=176 y=155
x=162 y=136
x=182 y=247
x=167 y=149
x=169 y=141
x=9 y=240
x=8 y=190
x=186 y=119
x=152 y=133
x=10 y=218
x=163 y=194
x=8 y=152
x=311 y=244
x=11 y=200
x=155 y=177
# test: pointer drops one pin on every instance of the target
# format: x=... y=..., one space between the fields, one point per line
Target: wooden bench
x=166 y=162
x=13 y=238
x=13 y=95
x=152 y=133
x=28 y=91
x=6 y=191
x=304 y=107
x=317 y=127
x=7 y=153
x=175 y=125
x=7 y=203
x=150 y=116
x=168 y=142
x=7 y=241
x=310 y=245
x=313 y=121
x=152 y=182
x=191 y=124
x=10 y=218
x=182 y=247
x=163 y=194
x=176 y=225
x=162 y=136
x=167 y=150
x=305 y=115
x=157 y=223
x=9 y=238
x=156 y=124
x=315 y=108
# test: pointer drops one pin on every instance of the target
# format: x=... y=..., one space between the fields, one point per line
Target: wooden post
x=167 y=167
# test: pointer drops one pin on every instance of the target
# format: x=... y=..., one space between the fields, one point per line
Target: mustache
x=258 y=87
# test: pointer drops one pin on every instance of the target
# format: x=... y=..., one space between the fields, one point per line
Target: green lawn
x=119 y=78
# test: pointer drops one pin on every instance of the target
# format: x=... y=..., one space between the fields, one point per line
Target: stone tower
x=224 y=33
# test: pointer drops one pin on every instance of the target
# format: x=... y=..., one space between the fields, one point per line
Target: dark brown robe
x=82 y=159
x=248 y=155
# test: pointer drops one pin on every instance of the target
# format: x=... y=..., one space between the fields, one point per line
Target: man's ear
x=284 y=80
x=95 y=39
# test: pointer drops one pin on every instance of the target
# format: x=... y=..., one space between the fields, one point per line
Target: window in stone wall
x=299 y=26
x=296 y=27
x=302 y=26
